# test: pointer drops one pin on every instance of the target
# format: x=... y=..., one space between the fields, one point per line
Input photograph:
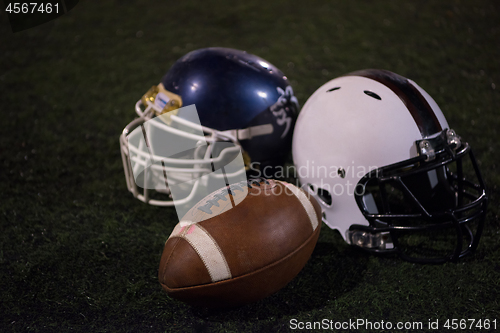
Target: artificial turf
x=79 y=254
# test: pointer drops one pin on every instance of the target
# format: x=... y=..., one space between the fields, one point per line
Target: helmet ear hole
x=325 y=196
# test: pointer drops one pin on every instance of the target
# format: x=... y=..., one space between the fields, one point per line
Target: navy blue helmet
x=239 y=98
x=236 y=90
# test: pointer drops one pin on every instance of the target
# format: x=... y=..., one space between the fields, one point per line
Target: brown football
x=240 y=244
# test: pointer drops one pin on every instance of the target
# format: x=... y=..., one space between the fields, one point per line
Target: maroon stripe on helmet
x=419 y=108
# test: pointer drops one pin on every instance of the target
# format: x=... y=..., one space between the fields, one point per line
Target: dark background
x=79 y=253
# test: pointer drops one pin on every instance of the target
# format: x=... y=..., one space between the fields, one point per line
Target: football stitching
x=229 y=190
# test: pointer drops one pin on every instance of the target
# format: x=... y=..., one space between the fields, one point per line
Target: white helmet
x=377 y=152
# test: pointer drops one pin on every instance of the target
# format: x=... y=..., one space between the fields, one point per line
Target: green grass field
x=79 y=254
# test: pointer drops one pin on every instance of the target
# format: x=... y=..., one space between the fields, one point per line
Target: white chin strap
x=250 y=132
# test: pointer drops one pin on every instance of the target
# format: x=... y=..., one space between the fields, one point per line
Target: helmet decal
x=279 y=108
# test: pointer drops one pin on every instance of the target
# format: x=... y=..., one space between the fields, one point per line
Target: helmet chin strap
x=249 y=132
